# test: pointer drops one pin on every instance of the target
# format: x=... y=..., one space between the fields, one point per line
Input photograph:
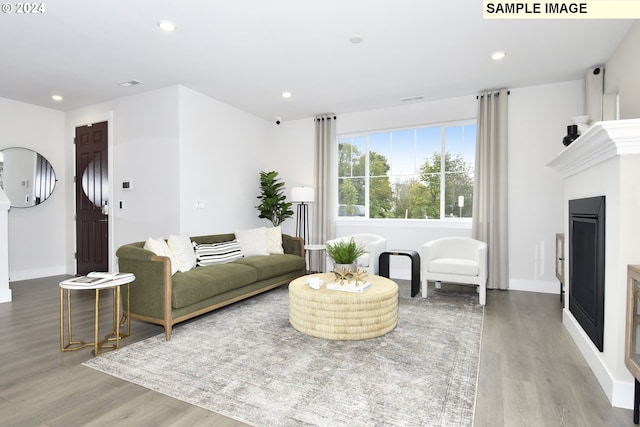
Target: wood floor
x=531 y=372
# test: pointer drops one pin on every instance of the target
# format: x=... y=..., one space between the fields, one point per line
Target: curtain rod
x=325 y=118
x=495 y=93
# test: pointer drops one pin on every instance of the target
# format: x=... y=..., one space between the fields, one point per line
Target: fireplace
x=586 y=265
x=604 y=160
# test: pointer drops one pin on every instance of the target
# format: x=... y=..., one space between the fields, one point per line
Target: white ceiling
x=247 y=52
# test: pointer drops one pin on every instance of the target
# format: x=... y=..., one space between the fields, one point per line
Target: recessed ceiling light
x=130 y=83
x=356 y=39
x=56 y=97
x=167 y=25
x=498 y=55
x=286 y=94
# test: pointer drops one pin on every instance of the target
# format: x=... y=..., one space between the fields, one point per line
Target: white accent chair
x=455 y=260
x=374 y=245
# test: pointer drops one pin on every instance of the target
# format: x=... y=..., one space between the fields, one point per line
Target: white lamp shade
x=302 y=195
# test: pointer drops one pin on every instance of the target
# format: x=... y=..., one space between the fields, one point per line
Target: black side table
x=383 y=262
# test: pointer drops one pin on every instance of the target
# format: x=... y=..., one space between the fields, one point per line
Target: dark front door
x=92 y=198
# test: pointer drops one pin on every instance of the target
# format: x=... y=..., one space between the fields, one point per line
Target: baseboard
x=514 y=284
x=619 y=393
x=15 y=276
x=534 y=286
x=5 y=295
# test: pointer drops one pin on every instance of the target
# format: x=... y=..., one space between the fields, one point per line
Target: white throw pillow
x=183 y=252
x=253 y=241
x=274 y=240
x=159 y=247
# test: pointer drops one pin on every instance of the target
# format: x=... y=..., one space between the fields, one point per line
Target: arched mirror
x=26 y=177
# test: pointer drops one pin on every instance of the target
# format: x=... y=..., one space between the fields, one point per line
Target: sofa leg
x=483 y=295
x=425 y=284
x=438 y=285
x=167 y=333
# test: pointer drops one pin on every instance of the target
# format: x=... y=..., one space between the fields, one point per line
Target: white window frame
x=443 y=221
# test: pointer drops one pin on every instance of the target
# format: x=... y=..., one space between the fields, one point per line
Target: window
x=418 y=173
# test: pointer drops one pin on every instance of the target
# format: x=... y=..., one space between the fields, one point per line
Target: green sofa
x=160 y=298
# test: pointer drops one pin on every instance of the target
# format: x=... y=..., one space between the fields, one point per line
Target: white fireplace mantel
x=601 y=142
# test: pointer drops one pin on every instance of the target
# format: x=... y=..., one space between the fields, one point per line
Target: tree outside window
x=420 y=173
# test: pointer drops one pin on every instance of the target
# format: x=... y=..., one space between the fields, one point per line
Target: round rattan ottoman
x=340 y=315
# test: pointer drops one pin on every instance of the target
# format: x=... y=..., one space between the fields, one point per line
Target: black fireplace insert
x=586 y=265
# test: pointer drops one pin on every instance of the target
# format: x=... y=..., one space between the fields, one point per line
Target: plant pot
x=344 y=271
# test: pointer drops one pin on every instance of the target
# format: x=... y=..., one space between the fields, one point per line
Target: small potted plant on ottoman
x=345 y=255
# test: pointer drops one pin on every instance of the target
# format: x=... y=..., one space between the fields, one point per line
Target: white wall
x=143 y=144
x=36 y=234
x=222 y=151
x=621 y=74
x=538 y=120
x=293 y=153
x=5 y=290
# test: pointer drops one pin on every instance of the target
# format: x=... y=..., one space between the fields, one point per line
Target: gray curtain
x=325 y=207
x=490 y=208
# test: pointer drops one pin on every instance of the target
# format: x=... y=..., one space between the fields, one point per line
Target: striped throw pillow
x=217 y=253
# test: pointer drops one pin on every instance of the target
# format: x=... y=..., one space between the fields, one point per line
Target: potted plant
x=273 y=206
x=345 y=254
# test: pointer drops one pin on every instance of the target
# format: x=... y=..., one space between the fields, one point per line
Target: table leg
x=61 y=319
x=636 y=403
x=128 y=314
x=119 y=319
x=96 y=332
x=116 y=311
x=70 y=345
x=415 y=275
x=383 y=264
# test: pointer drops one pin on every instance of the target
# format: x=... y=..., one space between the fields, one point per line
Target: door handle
x=104 y=220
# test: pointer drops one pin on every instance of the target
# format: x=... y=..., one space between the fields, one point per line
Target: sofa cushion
x=217 y=253
x=253 y=241
x=274 y=240
x=205 y=282
x=159 y=247
x=273 y=265
x=182 y=251
x=463 y=267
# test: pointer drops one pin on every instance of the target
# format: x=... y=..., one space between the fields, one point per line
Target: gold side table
x=111 y=341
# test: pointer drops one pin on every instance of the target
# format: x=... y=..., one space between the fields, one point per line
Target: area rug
x=248 y=363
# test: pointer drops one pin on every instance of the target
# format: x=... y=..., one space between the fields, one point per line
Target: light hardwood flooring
x=531 y=372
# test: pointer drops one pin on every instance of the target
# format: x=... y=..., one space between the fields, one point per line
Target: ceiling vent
x=413 y=98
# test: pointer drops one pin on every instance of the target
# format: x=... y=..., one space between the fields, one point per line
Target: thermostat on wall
x=127 y=185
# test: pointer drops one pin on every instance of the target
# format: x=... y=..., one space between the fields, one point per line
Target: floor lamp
x=302 y=196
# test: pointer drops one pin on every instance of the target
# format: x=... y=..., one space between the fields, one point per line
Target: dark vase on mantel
x=572 y=135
